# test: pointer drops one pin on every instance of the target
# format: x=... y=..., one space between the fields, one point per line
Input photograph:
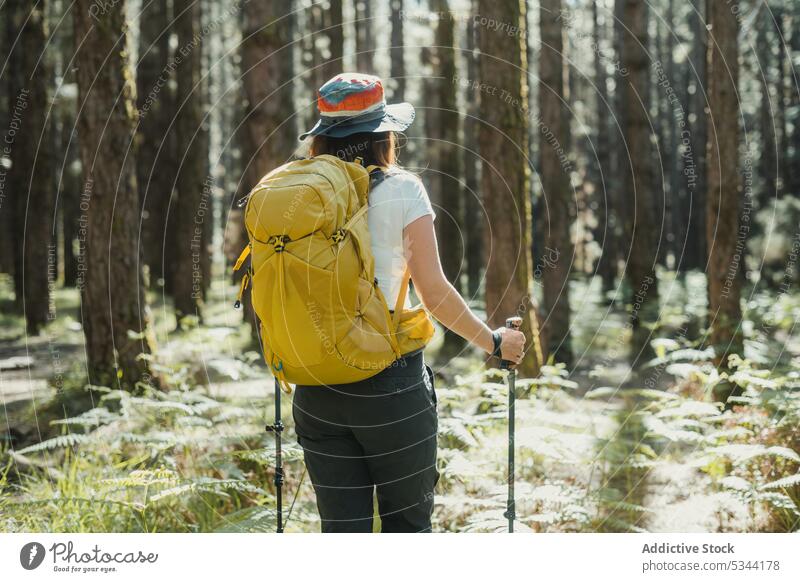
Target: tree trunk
x=473 y=205
x=606 y=235
x=639 y=183
x=726 y=242
x=397 y=53
x=781 y=99
x=69 y=195
x=113 y=301
x=505 y=176
x=267 y=73
x=7 y=214
x=29 y=183
x=335 y=32
x=155 y=162
x=766 y=108
x=446 y=140
x=694 y=153
x=365 y=38
x=554 y=171
x=193 y=202
x=793 y=165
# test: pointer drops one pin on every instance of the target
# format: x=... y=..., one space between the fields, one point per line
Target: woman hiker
x=379 y=435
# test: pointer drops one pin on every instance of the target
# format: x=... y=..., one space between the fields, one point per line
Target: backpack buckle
x=338 y=236
x=279 y=242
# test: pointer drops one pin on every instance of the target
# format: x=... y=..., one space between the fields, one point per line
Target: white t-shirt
x=396 y=202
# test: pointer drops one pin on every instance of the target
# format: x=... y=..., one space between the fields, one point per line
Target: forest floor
x=600 y=448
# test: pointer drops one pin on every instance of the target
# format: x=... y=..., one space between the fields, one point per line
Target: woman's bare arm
x=440 y=297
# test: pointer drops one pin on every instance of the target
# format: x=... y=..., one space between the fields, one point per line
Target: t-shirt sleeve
x=416 y=202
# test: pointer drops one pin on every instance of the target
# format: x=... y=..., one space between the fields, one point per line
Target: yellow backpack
x=323 y=318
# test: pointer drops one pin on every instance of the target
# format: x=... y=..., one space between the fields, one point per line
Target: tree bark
x=112 y=291
x=505 y=177
x=365 y=38
x=397 y=53
x=155 y=161
x=554 y=171
x=639 y=185
x=335 y=32
x=7 y=214
x=606 y=233
x=193 y=205
x=446 y=140
x=267 y=74
x=694 y=153
x=725 y=239
x=29 y=184
x=70 y=192
x=473 y=205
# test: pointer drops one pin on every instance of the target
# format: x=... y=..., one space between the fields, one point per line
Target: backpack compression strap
x=401 y=299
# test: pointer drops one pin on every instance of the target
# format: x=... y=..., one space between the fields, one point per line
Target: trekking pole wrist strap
x=497 y=340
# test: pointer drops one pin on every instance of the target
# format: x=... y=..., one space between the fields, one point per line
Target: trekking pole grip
x=511 y=323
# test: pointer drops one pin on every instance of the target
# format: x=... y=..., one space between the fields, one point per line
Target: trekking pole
x=277 y=429
x=510 y=513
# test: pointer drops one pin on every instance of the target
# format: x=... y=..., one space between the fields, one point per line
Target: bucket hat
x=355 y=103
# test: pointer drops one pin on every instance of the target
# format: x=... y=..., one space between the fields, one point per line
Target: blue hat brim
x=397 y=117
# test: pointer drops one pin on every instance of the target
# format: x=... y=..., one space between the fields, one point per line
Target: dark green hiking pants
x=377 y=435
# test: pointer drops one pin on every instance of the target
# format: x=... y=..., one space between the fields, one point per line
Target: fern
x=249 y=520
x=208 y=485
x=785 y=483
x=59 y=442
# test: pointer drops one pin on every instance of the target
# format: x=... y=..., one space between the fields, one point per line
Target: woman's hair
x=378 y=149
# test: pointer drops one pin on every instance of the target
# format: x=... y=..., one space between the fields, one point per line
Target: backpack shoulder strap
x=377 y=174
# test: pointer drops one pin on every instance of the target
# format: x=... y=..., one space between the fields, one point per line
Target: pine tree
x=505 y=176
x=365 y=37
x=724 y=239
x=397 y=52
x=193 y=206
x=113 y=304
x=445 y=141
x=155 y=162
x=555 y=182
x=606 y=235
x=29 y=187
x=640 y=186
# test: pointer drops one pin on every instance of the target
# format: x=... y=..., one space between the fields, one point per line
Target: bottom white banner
x=617 y=557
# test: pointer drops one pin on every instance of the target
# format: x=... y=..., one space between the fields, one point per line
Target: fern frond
x=208 y=485
x=785 y=483
x=59 y=442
